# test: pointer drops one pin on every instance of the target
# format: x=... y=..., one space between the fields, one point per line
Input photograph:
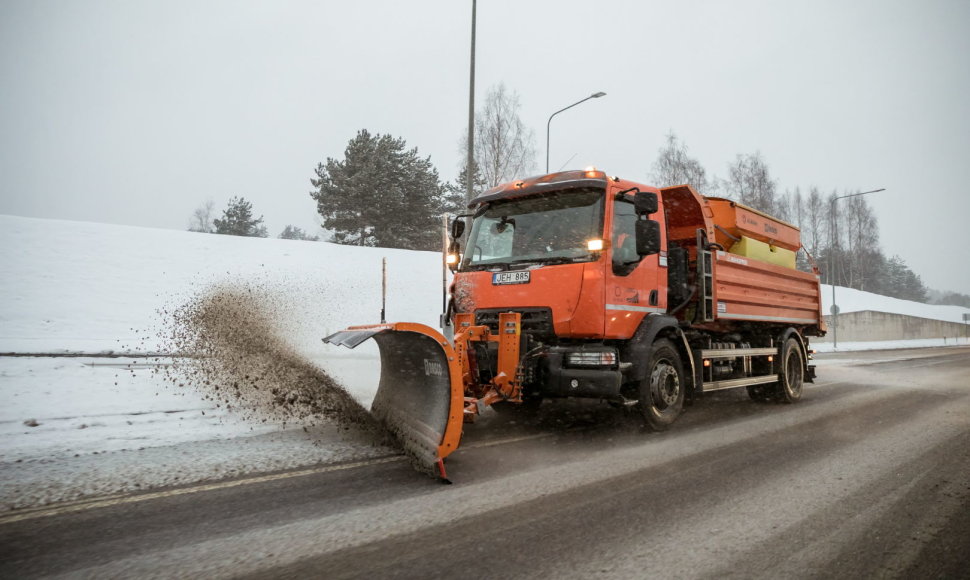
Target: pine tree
x=381 y=194
x=905 y=283
x=291 y=232
x=953 y=299
x=237 y=220
x=453 y=195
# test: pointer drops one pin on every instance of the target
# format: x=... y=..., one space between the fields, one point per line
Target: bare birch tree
x=862 y=238
x=504 y=147
x=750 y=183
x=813 y=225
x=202 y=218
x=674 y=166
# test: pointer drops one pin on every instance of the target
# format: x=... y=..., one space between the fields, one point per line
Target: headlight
x=591 y=359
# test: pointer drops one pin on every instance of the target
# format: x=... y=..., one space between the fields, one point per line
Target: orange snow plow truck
x=576 y=284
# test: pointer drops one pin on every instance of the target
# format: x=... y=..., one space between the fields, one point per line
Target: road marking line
x=508 y=440
x=30 y=510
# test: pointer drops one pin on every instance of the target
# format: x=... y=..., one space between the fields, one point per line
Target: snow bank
x=852 y=300
x=891 y=344
x=85 y=287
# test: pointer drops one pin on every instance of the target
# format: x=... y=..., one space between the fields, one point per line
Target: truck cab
x=563 y=249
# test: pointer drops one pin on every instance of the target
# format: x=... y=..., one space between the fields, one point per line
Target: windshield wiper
x=549 y=260
x=507 y=265
x=485 y=266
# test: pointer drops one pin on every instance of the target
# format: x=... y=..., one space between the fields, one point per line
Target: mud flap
x=420 y=398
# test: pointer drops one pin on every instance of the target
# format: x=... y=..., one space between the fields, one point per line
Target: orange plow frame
x=410 y=396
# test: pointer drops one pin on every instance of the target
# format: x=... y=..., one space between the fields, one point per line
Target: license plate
x=499 y=278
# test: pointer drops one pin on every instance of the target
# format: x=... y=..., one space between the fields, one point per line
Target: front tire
x=662 y=390
x=792 y=375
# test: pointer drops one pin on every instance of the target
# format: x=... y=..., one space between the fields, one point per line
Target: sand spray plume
x=231 y=348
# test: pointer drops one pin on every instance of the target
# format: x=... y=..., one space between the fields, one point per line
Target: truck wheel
x=662 y=390
x=791 y=377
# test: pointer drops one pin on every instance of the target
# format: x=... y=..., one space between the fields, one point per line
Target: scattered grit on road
x=869 y=476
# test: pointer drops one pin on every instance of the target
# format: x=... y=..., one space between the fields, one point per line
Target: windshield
x=549 y=228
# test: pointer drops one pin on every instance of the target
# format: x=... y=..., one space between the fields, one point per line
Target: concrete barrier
x=869 y=325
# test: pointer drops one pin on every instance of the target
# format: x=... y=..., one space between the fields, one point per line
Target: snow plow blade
x=420 y=398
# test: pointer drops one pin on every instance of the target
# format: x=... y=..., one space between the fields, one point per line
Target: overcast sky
x=135 y=112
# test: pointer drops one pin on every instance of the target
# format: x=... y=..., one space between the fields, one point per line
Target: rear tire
x=662 y=390
x=792 y=375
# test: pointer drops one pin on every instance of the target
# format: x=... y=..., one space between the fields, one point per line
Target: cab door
x=634 y=286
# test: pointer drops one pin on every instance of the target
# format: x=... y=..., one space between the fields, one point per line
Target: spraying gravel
x=232 y=351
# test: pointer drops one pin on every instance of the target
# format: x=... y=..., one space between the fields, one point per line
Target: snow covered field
x=72 y=426
x=79 y=425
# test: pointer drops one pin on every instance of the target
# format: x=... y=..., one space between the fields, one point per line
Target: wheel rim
x=793 y=372
x=664 y=385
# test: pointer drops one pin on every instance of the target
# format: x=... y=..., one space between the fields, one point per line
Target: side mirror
x=457 y=228
x=645 y=202
x=647 y=236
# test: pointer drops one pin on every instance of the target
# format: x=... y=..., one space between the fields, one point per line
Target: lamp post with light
x=593 y=96
x=835 y=237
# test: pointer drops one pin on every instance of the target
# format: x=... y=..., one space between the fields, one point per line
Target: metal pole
x=470 y=161
x=383 y=290
x=593 y=96
x=444 y=270
x=835 y=321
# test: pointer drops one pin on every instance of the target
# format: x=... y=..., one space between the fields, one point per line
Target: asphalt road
x=868 y=476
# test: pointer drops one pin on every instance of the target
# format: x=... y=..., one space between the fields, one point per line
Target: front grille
x=535 y=321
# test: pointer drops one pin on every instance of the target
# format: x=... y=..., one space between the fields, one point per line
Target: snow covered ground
x=73 y=426
x=79 y=425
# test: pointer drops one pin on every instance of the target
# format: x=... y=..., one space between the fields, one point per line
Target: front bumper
x=562 y=380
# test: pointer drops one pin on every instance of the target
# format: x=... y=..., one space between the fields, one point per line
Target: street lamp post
x=593 y=96
x=835 y=236
x=470 y=162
